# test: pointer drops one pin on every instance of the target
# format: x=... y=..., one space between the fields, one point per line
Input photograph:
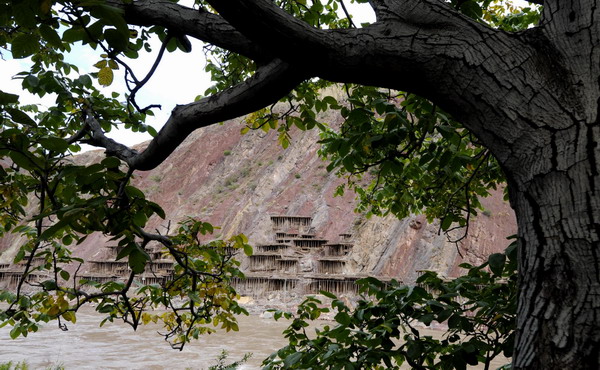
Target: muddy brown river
x=116 y=346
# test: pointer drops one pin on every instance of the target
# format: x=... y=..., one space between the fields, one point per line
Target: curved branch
x=195 y=23
x=410 y=47
x=98 y=138
x=140 y=84
x=265 y=23
x=270 y=83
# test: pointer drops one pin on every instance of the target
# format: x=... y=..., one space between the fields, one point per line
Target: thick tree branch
x=269 y=84
x=427 y=48
x=265 y=23
x=419 y=46
x=98 y=138
x=419 y=39
x=199 y=24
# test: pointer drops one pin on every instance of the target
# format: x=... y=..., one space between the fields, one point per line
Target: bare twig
x=347 y=14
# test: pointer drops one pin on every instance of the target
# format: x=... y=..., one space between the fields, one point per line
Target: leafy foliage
x=197 y=298
x=418 y=159
x=381 y=331
x=54 y=203
x=429 y=163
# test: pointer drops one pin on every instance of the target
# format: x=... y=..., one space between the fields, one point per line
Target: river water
x=116 y=346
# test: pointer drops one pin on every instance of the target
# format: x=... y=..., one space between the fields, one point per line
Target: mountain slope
x=238 y=181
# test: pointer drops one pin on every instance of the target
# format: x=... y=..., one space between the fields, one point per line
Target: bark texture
x=532 y=98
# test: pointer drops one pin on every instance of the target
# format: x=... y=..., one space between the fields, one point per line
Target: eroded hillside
x=238 y=181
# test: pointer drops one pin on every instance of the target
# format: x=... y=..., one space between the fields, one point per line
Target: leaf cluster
x=196 y=299
x=382 y=330
x=404 y=155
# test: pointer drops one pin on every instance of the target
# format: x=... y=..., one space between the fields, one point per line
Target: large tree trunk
x=557 y=201
x=559 y=223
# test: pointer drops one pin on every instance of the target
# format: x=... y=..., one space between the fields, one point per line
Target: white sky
x=178 y=80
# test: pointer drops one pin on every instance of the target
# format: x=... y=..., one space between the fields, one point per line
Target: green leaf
x=22 y=160
x=444 y=315
x=414 y=350
x=116 y=39
x=426 y=319
x=105 y=76
x=20 y=117
x=31 y=81
x=447 y=222
x=496 y=262
x=15 y=332
x=194 y=297
x=138 y=259
x=248 y=250
x=343 y=318
x=134 y=192
x=327 y=294
x=51 y=36
x=65 y=275
x=54 y=143
x=25 y=45
x=112 y=64
x=49 y=285
x=471 y=9
x=157 y=209
x=208 y=228
x=53 y=230
x=85 y=80
x=111 y=162
x=151 y=131
x=101 y=64
x=292 y=359
x=69 y=316
x=72 y=35
x=8 y=98
x=125 y=251
x=19 y=256
x=24 y=12
x=140 y=219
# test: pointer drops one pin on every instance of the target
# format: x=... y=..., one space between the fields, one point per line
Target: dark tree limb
x=99 y=139
x=348 y=16
x=199 y=24
x=270 y=83
x=139 y=84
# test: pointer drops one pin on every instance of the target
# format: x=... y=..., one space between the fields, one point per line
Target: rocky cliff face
x=238 y=181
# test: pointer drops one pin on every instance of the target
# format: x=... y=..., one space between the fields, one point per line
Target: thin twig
x=347 y=14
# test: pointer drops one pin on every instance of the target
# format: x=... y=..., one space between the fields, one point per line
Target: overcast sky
x=178 y=80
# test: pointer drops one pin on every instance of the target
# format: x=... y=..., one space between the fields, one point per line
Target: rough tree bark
x=532 y=98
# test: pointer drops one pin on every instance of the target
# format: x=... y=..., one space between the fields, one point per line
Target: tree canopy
x=445 y=100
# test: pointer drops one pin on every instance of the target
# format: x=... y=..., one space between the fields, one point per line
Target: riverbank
x=116 y=346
